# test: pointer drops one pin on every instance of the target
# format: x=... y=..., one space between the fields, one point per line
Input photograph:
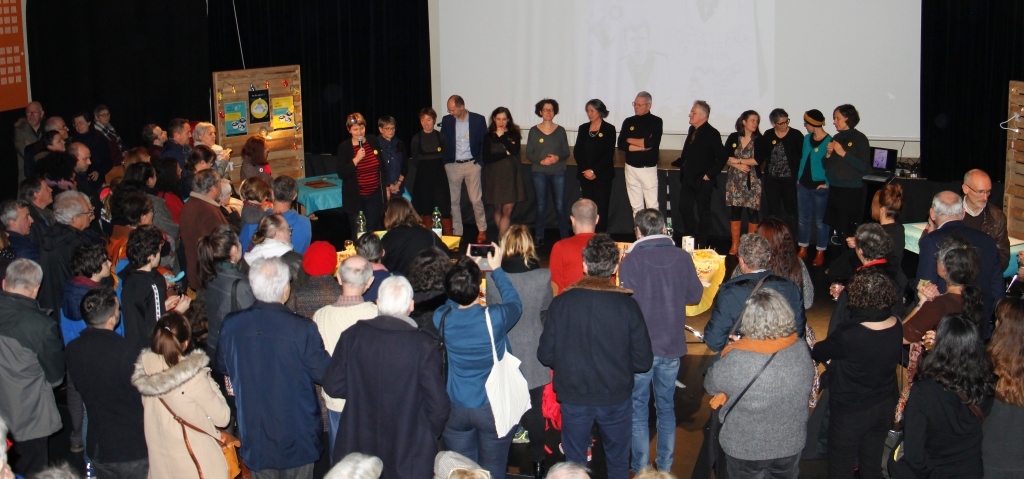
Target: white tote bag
x=506 y=387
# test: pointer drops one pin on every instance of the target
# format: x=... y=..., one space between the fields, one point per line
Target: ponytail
x=170 y=334
x=974 y=305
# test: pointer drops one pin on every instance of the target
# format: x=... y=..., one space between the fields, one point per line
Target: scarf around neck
x=761 y=346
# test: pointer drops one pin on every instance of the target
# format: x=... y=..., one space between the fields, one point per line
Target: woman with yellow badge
x=846 y=161
x=778 y=152
x=594 y=153
x=547 y=149
x=743 y=183
x=812 y=187
x=363 y=176
x=426 y=168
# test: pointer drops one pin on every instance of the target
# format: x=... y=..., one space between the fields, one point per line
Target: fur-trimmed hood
x=598 y=284
x=166 y=379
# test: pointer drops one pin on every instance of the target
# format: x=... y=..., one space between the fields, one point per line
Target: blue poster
x=236 y=119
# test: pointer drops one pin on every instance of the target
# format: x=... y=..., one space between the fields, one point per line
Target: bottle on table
x=436 y=223
x=361 y=223
x=668 y=227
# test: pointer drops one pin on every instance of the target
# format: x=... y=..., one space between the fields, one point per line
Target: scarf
x=762 y=346
x=269 y=248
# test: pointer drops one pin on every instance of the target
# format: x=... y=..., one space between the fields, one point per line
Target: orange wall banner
x=13 y=57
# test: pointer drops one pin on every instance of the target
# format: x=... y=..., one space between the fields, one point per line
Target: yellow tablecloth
x=708 y=298
x=452 y=242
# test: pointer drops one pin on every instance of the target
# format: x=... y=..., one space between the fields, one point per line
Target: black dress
x=430 y=185
x=596 y=151
x=502 y=175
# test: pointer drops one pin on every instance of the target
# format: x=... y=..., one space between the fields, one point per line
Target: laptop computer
x=883 y=165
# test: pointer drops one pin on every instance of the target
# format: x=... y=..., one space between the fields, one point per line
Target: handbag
x=441 y=347
x=228 y=444
x=506 y=386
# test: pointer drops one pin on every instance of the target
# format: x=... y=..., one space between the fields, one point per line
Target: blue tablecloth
x=315 y=199
x=912 y=234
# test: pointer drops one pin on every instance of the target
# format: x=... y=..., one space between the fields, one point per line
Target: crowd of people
x=179 y=312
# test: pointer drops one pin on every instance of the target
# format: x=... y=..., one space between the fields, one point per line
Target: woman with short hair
x=426 y=165
x=766 y=429
x=405 y=237
x=847 y=160
x=594 y=152
x=547 y=149
x=394 y=156
x=363 y=175
x=205 y=134
x=426 y=275
x=778 y=154
x=1000 y=448
x=273 y=239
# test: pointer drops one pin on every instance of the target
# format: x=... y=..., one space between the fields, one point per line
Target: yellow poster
x=284 y=113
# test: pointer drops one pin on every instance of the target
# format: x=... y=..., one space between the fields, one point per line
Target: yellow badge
x=815 y=150
x=540 y=141
x=600 y=135
x=773 y=141
x=630 y=128
x=374 y=152
x=439 y=149
x=849 y=144
x=734 y=145
x=467 y=135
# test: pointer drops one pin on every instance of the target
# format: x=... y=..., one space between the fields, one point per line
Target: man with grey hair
x=566 y=260
x=754 y=252
x=982 y=215
x=701 y=161
x=38 y=194
x=31 y=365
x=199 y=217
x=664 y=280
x=355 y=275
x=945 y=219
x=390 y=373
x=27 y=130
x=17 y=222
x=568 y=470
x=640 y=138
x=73 y=214
x=273 y=357
x=102 y=124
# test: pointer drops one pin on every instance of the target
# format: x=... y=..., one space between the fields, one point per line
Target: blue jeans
x=663 y=374
x=613 y=422
x=812 y=205
x=540 y=187
x=333 y=419
x=471 y=432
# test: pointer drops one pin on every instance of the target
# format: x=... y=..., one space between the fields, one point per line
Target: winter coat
x=218 y=300
x=733 y=294
x=58 y=247
x=31 y=365
x=199 y=217
x=390 y=374
x=189 y=391
x=71 y=321
x=534 y=288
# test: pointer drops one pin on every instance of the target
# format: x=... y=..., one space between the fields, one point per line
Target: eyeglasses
x=980 y=192
x=781 y=123
x=388 y=128
x=640 y=104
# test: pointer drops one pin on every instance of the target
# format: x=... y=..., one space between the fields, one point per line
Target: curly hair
x=462 y=283
x=958 y=360
x=428 y=270
x=143 y=242
x=601 y=256
x=870 y=289
x=88 y=260
x=767 y=316
x=872 y=241
x=782 y=260
x=1007 y=351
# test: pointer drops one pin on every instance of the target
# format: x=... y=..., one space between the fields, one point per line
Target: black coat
x=22 y=320
x=389 y=373
x=58 y=246
x=595 y=153
x=703 y=154
x=347 y=173
x=402 y=244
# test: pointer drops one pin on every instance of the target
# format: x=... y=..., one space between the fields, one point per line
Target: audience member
x=640 y=138
x=205 y=134
x=144 y=289
x=471 y=429
x=230 y=207
x=887 y=213
x=355 y=277
x=55 y=135
x=286 y=191
x=596 y=330
x=356 y=466
x=73 y=214
x=255 y=161
x=7 y=255
x=17 y=223
x=58 y=169
x=39 y=196
x=984 y=216
x=132 y=156
x=952 y=392
x=754 y=254
x=782 y=259
x=199 y=159
x=273 y=240
x=153 y=139
x=131 y=210
x=871 y=247
x=663 y=280
x=145 y=173
x=103 y=126
x=406 y=236
x=27 y=130
x=31 y=365
x=177 y=146
x=862 y=355
x=426 y=274
x=533 y=284
x=280 y=408
x=1001 y=444
x=566 y=261
x=200 y=215
x=389 y=373
x=225 y=288
x=464 y=133
x=5 y=468
x=702 y=159
x=568 y=470
x=320 y=288
x=945 y=218
x=957 y=265
x=103 y=152
x=256 y=194
x=370 y=247
x=101 y=363
x=178 y=397
x=652 y=473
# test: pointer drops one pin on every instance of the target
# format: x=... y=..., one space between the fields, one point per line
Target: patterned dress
x=743 y=189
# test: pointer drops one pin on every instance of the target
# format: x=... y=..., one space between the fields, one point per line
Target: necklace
x=593 y=134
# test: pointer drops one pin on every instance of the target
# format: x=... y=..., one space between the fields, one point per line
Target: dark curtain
x=146 y=60
x=366 y=57
x=969 y=53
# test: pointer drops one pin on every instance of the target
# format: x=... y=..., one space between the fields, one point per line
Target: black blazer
x=347 y=173
x=595 y=153
x=703 y=154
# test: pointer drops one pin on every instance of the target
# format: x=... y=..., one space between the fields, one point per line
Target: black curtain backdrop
x=369 y=57
x=969 y=53
x=146 y=60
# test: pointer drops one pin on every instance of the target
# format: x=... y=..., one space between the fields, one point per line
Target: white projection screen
x=735 y=54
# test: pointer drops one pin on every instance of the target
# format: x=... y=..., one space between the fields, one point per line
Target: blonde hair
x=651 y=473
x=135 y=155
x=518 y=242
x=461 y=473
x=254 y=189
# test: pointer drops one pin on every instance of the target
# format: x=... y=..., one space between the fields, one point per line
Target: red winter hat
x=320 y=259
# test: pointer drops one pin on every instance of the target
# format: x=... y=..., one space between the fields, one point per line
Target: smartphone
x=480 y=250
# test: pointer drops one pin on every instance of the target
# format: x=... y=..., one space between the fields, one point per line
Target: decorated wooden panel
x=1013 y=200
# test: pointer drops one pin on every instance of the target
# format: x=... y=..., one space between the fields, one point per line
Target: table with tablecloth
x=452 y=242
x=711 y=282
x=315 y=199
x=912 y=233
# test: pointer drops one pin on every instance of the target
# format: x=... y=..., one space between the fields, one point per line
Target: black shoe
x=539 y=470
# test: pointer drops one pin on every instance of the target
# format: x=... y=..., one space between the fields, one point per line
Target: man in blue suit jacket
x=945 y=219
x=463 y=161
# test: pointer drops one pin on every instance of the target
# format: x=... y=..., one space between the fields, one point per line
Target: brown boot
x=752 y=227
x=803 y=253
x=735 y=226
x=819 y=259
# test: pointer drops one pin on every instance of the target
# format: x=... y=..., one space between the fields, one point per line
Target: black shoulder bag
x=441 y=346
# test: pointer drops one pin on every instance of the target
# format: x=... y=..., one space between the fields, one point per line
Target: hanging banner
x=236 y=119
x=259 y=106
x=284 y=113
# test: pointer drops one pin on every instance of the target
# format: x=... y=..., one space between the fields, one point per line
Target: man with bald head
x=82 y=175
x=567 y=254
x=984 y=216
x=945 y=219
x=27 y=131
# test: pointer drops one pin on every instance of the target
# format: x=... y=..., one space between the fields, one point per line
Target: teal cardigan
x=814 y=155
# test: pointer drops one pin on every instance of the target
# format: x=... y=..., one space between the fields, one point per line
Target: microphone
x=360 y=142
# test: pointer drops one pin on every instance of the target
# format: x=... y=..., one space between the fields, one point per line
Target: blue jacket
x=477 y=130
x=273 y=357
x=23 y=246
x=733 y=294
x=179 y=152
x=71 y=321
x=469 y=349
x=302 y=232
x=814 y=156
